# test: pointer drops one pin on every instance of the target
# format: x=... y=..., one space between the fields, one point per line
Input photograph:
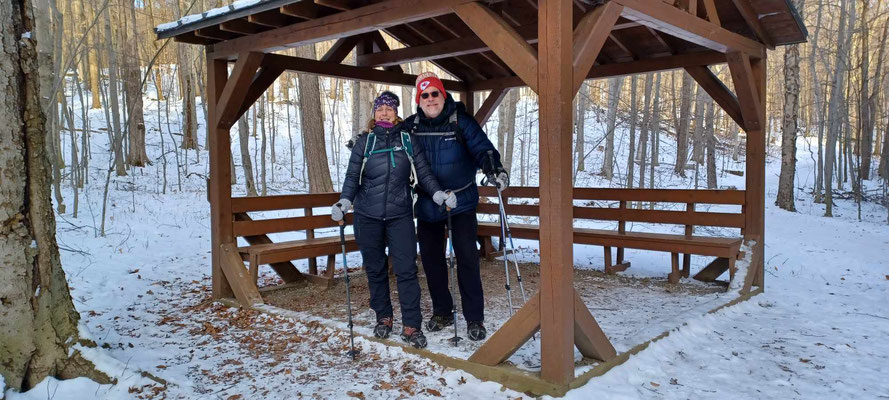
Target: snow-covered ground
x=818 y=331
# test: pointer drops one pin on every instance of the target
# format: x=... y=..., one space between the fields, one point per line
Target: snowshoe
x=439 y=322
x=476 y=330
x=414 y=336
x=383 y=328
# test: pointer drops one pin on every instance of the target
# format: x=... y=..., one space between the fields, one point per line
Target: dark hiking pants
x=433 y=253
x=373 y=236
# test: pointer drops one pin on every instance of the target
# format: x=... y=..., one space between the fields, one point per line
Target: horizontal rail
x=283 y=202
x=735 y=197
x=276 y=225
x=728 y=220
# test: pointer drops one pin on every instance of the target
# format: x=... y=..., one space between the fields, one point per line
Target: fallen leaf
x=462 y=380
x=357 y=395
x=433 y=392
x=804 y=360
x=234 y=397
x=653 y=384
x=161 y=367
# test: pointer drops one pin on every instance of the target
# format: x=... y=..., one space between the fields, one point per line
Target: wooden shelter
x=552 y=46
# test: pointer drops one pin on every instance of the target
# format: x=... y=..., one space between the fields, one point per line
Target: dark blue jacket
x=384 y=191
x=454 y=161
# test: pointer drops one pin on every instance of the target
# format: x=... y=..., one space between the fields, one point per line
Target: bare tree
x=710 y=134
x=632 y=147
x=581 y=103
x=789 y=128
x=246 y=164
x=646 y=127
x=311 y=121
x=614 y=85
x=506 y=127
x=837 y=97
x=133 y=86
x=688 y=86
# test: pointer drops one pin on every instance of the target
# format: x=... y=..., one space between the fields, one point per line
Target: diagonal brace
x=234 y=94
x=590 y=36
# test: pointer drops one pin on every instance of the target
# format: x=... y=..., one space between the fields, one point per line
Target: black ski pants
x=373 y=236
x=469 y=280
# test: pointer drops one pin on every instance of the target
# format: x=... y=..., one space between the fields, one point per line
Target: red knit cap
x=427 y=79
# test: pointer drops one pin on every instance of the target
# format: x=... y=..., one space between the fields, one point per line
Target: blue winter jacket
x=454 y=160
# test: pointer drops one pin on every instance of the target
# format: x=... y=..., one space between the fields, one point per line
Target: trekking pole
x=456 y=339
x=352 y=352
x=505 y=228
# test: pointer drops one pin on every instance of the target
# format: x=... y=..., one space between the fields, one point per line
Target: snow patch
x=26 y=35
x=741 y=267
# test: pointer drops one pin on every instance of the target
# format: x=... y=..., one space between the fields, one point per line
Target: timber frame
x=551 y=46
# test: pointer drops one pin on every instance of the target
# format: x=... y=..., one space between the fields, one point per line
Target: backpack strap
x=368 y=149
x=409 y=151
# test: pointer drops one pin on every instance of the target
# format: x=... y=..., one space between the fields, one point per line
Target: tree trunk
x=631 y=166
x=312 y=123
x=506 y=127
x=688 y=85
x=189 y=108
x=581 y=103
x=244 y=140
x=133 y=86
x=711 y=145
x=113 y=98
x=646 y=126
x=614 y=85
x=789 y=129
x=39 y=325
x=834 y=111
x=817 y=104
x=696 y=130
x=655 y=128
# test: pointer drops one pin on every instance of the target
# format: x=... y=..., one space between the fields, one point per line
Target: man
x=456 y=147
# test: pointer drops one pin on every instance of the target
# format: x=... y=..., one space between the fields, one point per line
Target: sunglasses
x=433 y=94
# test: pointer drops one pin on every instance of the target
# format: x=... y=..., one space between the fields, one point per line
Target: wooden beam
x=304 y=10
x=681 y=24
x=752 y=19
x=718 y=91
x=556 y=85
x=347 y=23
x=619 y=69
x=219 y=190
x=270 y=18
x=713 y=270
x=746 y=90
x=213 y=32
x=380 y=45
x=241 y=26
x=264 y=78
x=756 y=173
x=233 y=95
x=588 y=336
x=438 y=50
x=341 y=49
x=487 y=108
x=712 y=14
x=511 y=336
x=236 y=273
x=589 y=36
x=503 y=40
x=316 y=67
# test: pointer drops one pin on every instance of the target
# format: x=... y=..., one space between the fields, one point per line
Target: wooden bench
x=725 y=249
x=262 y=250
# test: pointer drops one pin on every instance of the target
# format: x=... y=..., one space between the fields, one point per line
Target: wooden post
x=310 y=234
x=689 y=231
x=756 y=176
x=555 y=88
x=220 y=179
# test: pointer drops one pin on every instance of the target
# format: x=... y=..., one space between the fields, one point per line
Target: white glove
x=501 y=180
x=449 y=199
x=338 y=210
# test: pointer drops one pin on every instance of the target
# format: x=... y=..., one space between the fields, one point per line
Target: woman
x=383 y=164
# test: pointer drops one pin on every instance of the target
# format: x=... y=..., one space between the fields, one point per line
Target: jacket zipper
x=388 y=172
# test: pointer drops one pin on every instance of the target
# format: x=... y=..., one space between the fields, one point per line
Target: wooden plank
x=304 y=10
x=746 y=90
x=555 y=92
x=235 y=91
x=736 y=197
x=237 y=275
x=680 y=24
x=620 y=69
x=380 y=45
x=352 y=72
x=752 y=18
x=491 y=102
x=589 y=36
x=713 y=270
x=341 y=49
x=718 y=91
x=266 y=226
x=213 y=32
x=512 y=335
x=286 y=270
x=219 y=190
x=347 y=23
x=189 y=37
x=283 y=202
x=727 y=220
x=588 y=336
x=342 y=5
x=438 y=50
x=503 y=40
x=756 y=173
